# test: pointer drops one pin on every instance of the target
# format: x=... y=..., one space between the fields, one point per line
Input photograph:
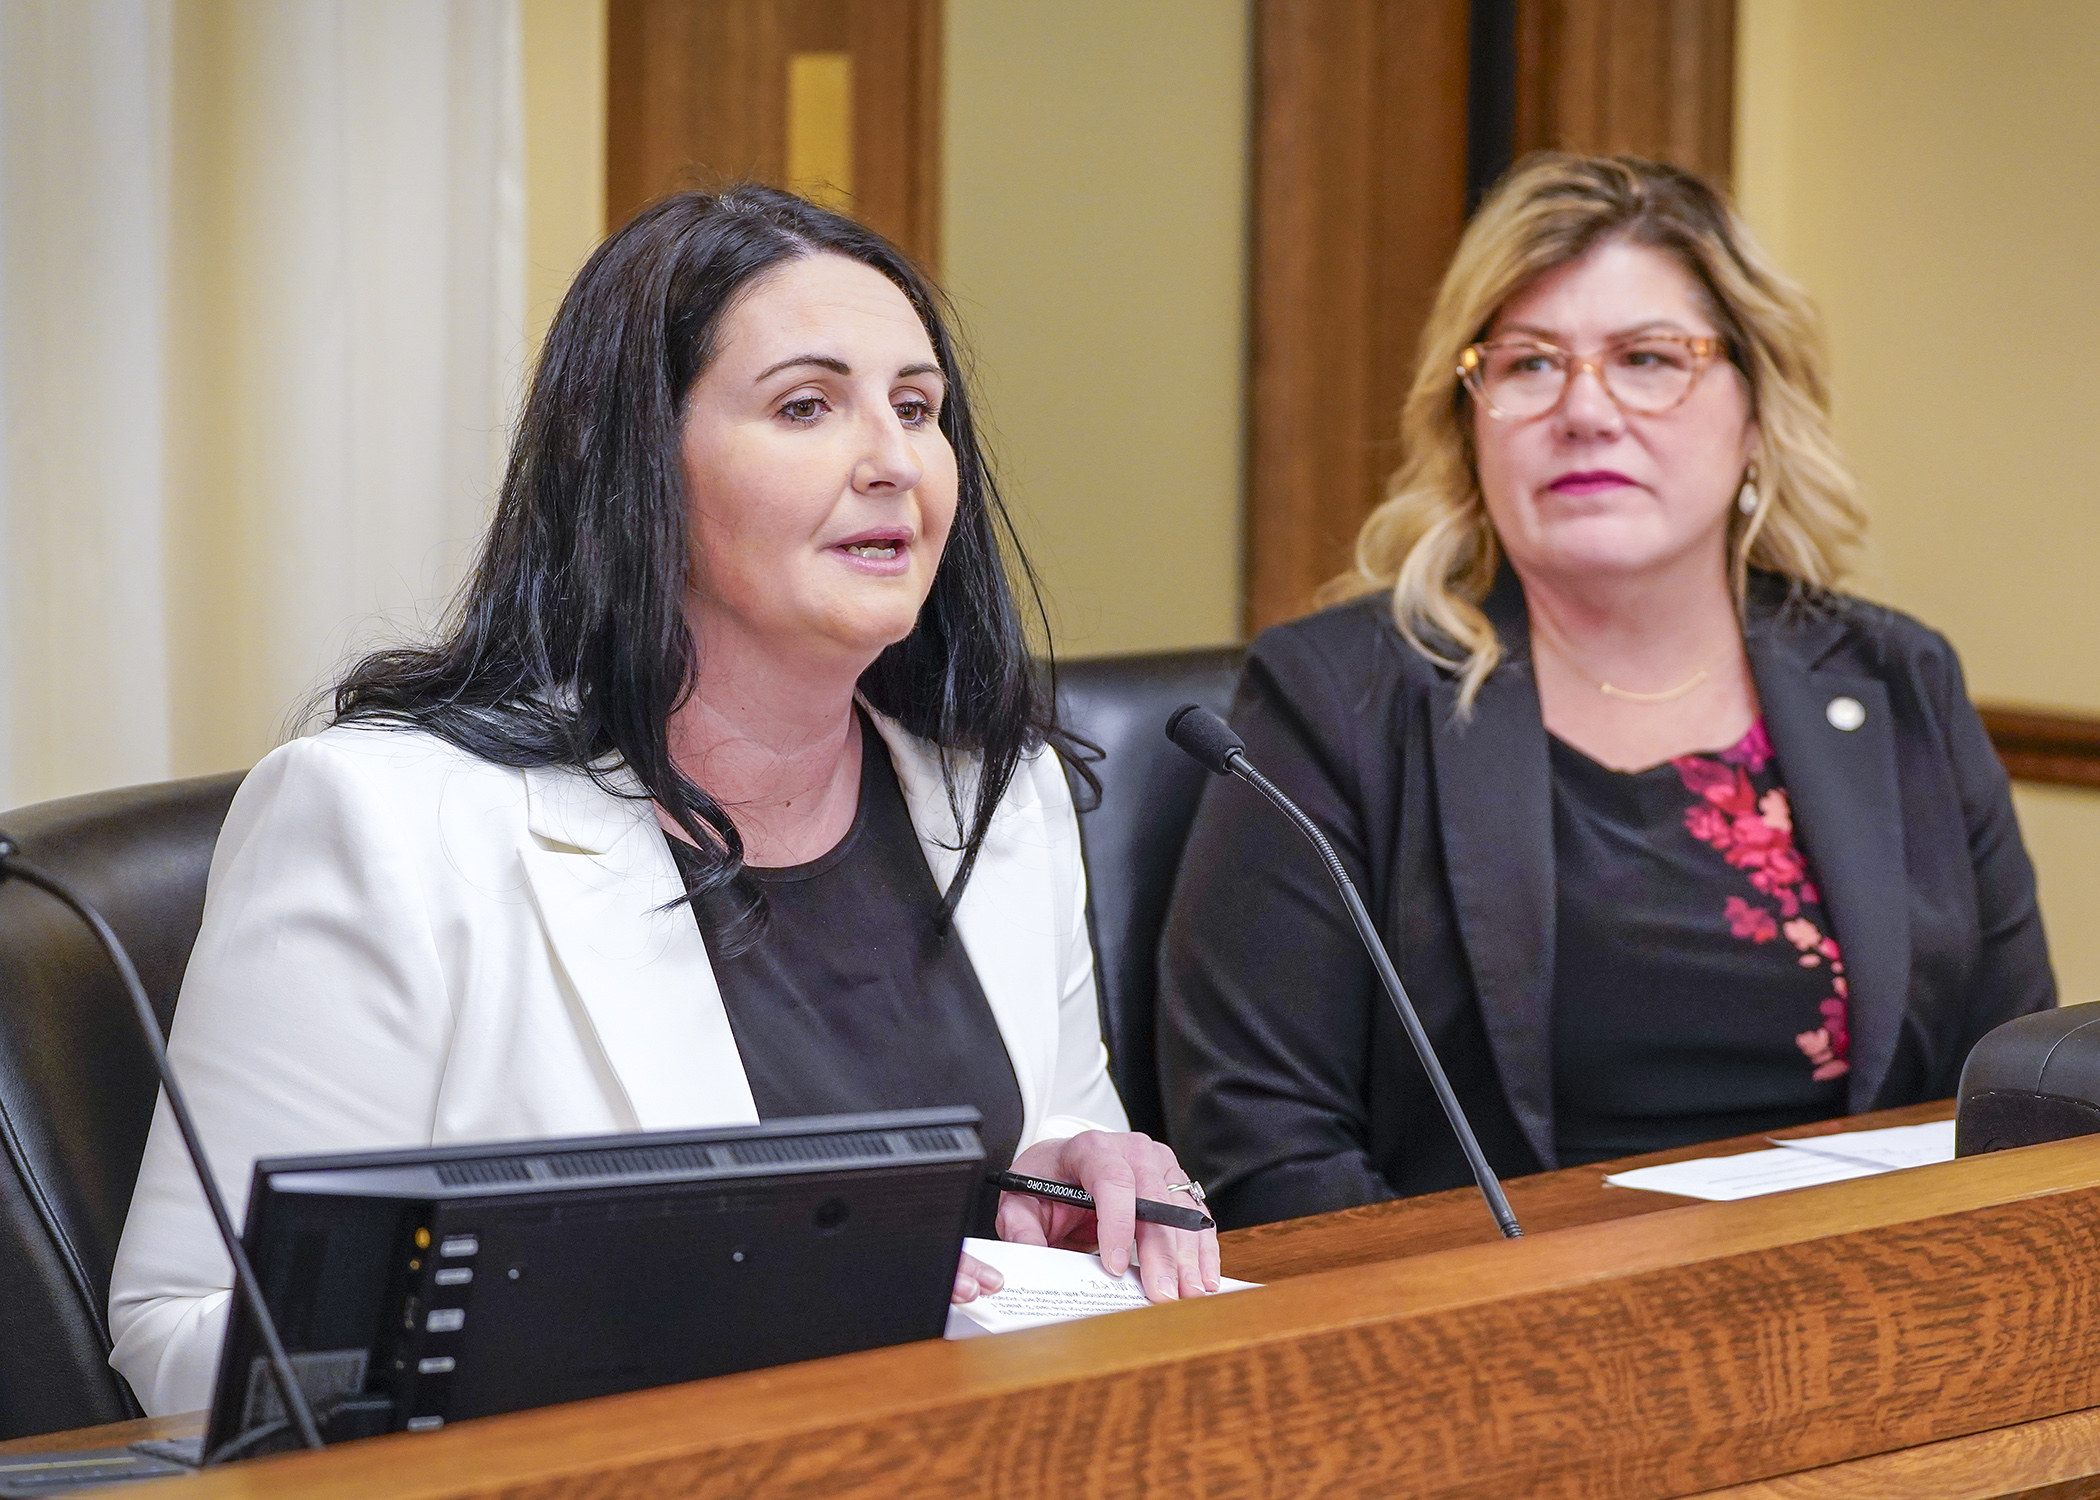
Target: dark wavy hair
x=568 y=643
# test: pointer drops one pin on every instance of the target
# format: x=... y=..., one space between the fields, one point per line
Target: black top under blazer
x=1289 y=1085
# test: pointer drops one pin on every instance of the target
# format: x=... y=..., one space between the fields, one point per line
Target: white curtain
x=261 y=322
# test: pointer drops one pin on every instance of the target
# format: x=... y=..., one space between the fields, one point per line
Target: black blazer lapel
x=1848 y=818
x=1494 y=795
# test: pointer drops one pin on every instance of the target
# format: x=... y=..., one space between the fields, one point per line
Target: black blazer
x=1289 y=1086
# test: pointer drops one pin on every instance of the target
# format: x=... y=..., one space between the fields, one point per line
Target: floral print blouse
x=1754 y=833
x=1699 y=990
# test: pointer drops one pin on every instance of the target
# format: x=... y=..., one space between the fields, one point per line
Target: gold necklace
x=1628 y=695
x=1665 y=696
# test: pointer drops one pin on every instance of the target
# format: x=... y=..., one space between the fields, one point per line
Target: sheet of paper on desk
x=1047 y=1286
x=1797 y=1164
x=1897 y=1146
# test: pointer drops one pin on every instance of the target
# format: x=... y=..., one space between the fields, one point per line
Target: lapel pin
x=1846 y=714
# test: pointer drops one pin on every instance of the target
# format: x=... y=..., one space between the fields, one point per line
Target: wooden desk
x=1632 y=1345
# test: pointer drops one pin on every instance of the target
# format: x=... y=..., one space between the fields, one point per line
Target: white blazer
x=405 y=945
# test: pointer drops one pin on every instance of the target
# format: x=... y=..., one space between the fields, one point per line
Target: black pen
x=1148 y=1211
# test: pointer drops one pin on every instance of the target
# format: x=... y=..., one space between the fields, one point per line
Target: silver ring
x=1192 y=1187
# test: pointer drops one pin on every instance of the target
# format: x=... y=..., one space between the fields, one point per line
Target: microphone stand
x=246 y=1287
x=1206 y=739
x=1238 y=765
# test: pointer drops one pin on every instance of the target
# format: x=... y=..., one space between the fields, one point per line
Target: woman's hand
x=1118 y=1169
x=974 y=1279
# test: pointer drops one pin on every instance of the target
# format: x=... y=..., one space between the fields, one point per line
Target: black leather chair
x=1132 y=839
x=76 y=1084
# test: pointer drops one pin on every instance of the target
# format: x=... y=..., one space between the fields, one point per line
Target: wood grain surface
x=2057 y=1458
x=2045 y=745
x=1359 y=195
x=1678 y=1351
x=697 y=97
x=1550 y=1200
x=1653 y=78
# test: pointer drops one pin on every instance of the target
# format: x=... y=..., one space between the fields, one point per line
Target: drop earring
x=1746 y=497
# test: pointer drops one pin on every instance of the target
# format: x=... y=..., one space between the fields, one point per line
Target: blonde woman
x=1670 y=840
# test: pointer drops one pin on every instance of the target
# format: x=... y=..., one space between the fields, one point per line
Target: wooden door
x=838 y=99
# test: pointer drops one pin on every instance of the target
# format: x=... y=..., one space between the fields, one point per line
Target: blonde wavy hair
x=1430 y=542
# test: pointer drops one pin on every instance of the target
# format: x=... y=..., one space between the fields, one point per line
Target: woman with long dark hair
x=725 y=795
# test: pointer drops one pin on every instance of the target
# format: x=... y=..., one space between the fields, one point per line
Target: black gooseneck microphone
x=1208 y=740
x=245 y=1285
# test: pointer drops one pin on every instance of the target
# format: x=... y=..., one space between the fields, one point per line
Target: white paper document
x=1797 y=1164
x=1047 y=1286
x=1898 y=1146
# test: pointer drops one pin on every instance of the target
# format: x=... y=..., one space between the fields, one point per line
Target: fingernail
x=990 y=1280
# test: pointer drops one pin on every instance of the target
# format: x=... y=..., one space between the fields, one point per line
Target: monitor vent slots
x=646 y=1161
x=939 y=1141
x=812 y=1149
x=484 y=1173
x=855 y=1148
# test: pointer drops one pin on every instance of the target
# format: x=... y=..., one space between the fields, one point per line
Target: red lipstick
x=1590 y=482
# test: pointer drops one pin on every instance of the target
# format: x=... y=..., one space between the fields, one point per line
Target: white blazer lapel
x=601 y=875
x=1004 y=917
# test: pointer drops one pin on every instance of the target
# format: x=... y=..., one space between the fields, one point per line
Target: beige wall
x=1926 y=167
x=564 y=149
x=1094 y=237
